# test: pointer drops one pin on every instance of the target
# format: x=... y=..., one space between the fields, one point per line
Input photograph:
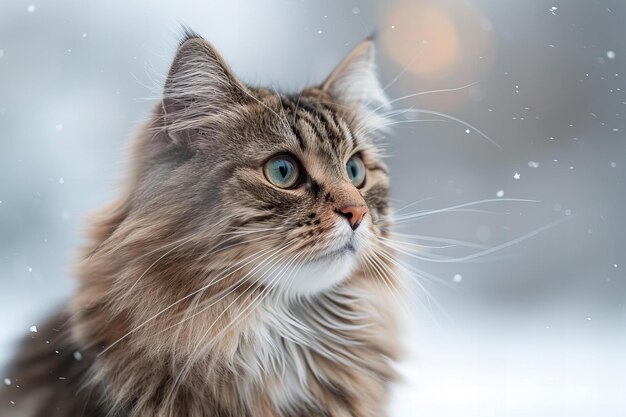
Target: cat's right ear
x=199 y=85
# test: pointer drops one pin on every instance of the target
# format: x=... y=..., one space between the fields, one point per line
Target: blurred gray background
x=534 y=328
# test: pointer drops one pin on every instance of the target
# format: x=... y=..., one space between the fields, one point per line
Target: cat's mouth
x=320 y=271
x=346 y=249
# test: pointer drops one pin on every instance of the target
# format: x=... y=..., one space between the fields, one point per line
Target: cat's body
x=208 y=290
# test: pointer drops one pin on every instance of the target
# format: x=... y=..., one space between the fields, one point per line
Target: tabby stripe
x=313 y=114
x=349 y=134
x=314 y=187
x=309 y=120
x=329 y=114
x=377 y=168
x=298 y=136
x=258 y=218
x=286 y=102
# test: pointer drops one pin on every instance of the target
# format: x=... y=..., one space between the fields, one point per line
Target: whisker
x=459 y=206
x=417 y=245
x=157 y=261
x=486 y=251
x=380 y=276
x=455 y=119
x=241 y=281
x=422 y=213
x=248 y=307
x=454 y=242
x=404 y=70
x=443 y=90
x=399 y=122
x=177 y=302
x=189 y=363
x=429 y=297
x=414 y=203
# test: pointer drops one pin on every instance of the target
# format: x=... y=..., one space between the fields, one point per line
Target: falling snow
x=600 y=52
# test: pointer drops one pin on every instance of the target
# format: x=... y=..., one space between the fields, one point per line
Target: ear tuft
x=187 y=34
x=199 y=85
x=355 y=81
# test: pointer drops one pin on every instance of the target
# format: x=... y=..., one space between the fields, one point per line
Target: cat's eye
x=356 y=171
x=282 y=171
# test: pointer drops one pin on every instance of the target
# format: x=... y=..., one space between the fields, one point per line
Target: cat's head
x=287 y=191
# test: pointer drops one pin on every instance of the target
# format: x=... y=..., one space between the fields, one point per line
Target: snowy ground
x=511 y=375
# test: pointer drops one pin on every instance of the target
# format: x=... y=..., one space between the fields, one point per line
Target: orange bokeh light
x=443 y=44
x=422 y=38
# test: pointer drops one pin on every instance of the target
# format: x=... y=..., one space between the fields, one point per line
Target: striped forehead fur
x=202 y=91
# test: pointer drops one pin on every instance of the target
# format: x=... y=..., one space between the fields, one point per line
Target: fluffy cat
x=239 y=273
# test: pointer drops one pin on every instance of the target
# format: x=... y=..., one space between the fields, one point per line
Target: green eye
x=356 y=171
x=282 y=171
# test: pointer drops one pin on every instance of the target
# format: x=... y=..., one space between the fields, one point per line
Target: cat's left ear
x=200 y=88
x=354 y=82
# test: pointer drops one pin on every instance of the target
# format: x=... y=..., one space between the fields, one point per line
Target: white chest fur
x=279 y=352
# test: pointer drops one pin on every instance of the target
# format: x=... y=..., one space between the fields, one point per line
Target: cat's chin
x=322 y=273
x=316 y=275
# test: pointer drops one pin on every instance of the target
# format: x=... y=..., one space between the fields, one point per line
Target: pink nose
x=354 y=214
